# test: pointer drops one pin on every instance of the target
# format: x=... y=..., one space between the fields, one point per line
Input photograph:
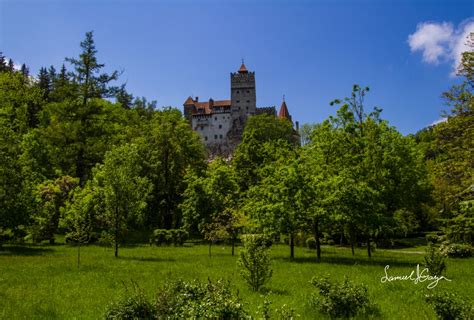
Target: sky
x=310 y=51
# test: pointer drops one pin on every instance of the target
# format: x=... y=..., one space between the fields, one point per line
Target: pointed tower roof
x=284 y=113
x=189 y=101
x=243 y=68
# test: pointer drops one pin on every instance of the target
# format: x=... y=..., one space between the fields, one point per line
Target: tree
x=210 y=203
x=254 y=262
x=79 y=118
x=371 y=170
x=125 y=190
x=278 y=202
x=170 y=148
x=52 y=196
x=263 y=135
x=82 y=215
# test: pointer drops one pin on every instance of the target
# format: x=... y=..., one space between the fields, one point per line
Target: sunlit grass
x=45 y=282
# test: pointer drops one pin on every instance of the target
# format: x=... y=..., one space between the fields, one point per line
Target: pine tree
x=44 y=82
x=11 y=65
x=3 y=63
x=25 y=70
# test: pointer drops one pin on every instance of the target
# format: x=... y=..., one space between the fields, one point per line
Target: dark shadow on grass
x=147 y=259
x=14 y=250
x=374 y=261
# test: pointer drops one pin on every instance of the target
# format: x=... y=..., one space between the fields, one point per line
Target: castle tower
x=242 y=92
x=284 y=113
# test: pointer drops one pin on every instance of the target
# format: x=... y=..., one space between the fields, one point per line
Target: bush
x=435 y=237
x=449 y=306
x=435 y=261
x=456 y=250
x=131 y=306
x=195 y=300
x=340 y=300
x=311 y=243
x=168 y=237
x=254 y=261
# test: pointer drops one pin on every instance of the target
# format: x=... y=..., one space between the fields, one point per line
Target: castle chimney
x=197 y=99
x=297 y=124
x=211 y=103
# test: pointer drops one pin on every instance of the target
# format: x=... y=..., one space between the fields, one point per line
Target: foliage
x=435 y=261
x=172 y=236
x=169 y=149
x=456 y=250
x=124 y=190
x=265 y=139
x=133 y=305
x=52 y=196
x=254 y=262
x=340 y=299
x=196 y=300
x=448 y=306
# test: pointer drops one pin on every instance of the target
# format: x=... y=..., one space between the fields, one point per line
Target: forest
x=84 y=162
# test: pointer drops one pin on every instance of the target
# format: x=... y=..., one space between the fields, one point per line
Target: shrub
x=456 y=250
x=254 y=261
x=168 y=237
x=434 y=237
x=131 y=306
x=340 y=300
x=285 y=312
x=449 y=306
x=195 y=300
x=311 y=243
x=435 y=261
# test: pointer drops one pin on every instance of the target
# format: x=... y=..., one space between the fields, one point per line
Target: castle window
x=248 y=101
x=248 y=91
x=220 y=126
x=205 y=138
x=238 y=91
x=247 y=108
x=238 y=101
x=220 y=136
x=215 y=118
x=215 y=136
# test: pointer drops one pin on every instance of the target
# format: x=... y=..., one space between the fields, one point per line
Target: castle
x=220 y=123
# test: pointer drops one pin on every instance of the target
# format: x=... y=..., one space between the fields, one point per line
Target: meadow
x=45 y=282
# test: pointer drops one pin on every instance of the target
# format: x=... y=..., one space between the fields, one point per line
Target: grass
x=44 y=282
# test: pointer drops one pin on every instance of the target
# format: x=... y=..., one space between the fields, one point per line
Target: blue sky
x=311 y=51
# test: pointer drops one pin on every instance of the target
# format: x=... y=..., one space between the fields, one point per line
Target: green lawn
x=44 y=282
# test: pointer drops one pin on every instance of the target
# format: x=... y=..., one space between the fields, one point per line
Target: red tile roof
x=284 y=114
x=243 y=69
x=207 y=105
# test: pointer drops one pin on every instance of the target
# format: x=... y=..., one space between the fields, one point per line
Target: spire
x=189 y=101
x=243 y=69
x=284 y=114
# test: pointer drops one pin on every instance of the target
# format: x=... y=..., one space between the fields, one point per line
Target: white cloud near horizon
x=440 y=120
x=441 y=41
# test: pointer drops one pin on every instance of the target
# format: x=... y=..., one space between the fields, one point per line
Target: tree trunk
x=318 y=242
x=233 y=246
x=292 y=246
x=369 y=253
x=116 y=233
x=210 y=244
x=352 y=247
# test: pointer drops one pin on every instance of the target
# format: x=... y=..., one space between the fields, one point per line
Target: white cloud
x=441 y=41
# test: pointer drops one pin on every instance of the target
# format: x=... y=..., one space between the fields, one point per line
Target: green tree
x=169 y=148
x=278 y=202
x=52 y=196
x=125 y=190
x=263 y=136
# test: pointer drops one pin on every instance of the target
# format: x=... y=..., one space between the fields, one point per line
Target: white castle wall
x=212 y=128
